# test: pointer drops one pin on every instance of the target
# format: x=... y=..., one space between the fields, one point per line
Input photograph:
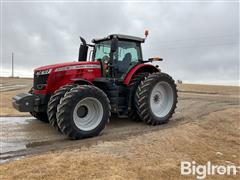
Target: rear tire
x=134 y=83
x=156 y=98
x=83 y=112
x=53 y=103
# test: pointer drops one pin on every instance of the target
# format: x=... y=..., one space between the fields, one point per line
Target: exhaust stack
x=83 y=50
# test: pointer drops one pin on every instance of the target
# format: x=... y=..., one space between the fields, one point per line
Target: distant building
x=179 y=81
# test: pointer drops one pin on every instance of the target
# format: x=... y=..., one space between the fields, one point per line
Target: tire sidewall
x=173 y=87
x=77 y=98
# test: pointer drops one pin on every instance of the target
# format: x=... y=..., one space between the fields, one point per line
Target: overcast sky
x=199 y=42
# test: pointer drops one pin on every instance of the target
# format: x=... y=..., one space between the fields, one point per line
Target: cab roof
x=120 y=36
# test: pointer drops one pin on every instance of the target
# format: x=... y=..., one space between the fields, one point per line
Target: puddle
x=7 y=147
x=16 y=120
x=10 y=134
x=18 y=134
x=7 y=159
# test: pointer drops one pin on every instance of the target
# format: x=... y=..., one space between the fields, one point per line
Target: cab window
x=128 y=50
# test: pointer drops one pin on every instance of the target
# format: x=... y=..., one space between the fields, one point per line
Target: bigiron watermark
x=208 y=169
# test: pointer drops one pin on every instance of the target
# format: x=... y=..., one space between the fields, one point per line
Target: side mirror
x=114 y=44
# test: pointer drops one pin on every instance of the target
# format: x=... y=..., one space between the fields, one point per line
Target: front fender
x=81 y=81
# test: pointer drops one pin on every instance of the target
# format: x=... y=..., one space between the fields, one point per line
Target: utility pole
x=12 y=64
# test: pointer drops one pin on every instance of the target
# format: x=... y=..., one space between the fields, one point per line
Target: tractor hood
x=66 y=66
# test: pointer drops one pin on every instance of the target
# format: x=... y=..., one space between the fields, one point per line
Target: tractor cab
x=117 y=53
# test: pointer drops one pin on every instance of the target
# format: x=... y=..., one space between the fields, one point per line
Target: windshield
x=102 y=49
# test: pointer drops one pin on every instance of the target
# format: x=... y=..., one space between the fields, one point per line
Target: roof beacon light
x=146 y=33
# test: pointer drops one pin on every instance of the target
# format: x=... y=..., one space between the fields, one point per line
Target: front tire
x=53 y=103
x=156 y=98
x=83 y=112
x=42 y=116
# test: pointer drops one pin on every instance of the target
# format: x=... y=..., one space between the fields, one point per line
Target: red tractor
x=78 y=98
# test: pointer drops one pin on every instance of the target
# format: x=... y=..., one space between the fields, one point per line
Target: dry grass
x=155 y=155
x=6 y=97
x=210 y=89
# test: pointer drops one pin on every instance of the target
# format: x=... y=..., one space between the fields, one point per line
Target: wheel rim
x=88 y=113
x=161 y=99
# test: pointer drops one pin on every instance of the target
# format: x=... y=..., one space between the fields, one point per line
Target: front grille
x=39 y=79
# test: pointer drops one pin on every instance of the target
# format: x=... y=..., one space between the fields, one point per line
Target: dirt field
x=205 y=127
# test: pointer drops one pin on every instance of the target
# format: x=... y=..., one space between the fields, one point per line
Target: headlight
x=43 y=72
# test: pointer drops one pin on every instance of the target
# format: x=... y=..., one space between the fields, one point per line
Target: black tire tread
x=54 y=101
x=135 y=81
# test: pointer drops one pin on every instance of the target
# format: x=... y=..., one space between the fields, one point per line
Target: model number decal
x=95 y=66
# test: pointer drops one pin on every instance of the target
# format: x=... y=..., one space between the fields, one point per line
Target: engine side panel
x=61 y=76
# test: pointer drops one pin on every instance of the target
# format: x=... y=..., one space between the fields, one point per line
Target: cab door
x=127 y=56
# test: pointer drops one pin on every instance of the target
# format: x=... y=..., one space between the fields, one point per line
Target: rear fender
x=138 y=69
